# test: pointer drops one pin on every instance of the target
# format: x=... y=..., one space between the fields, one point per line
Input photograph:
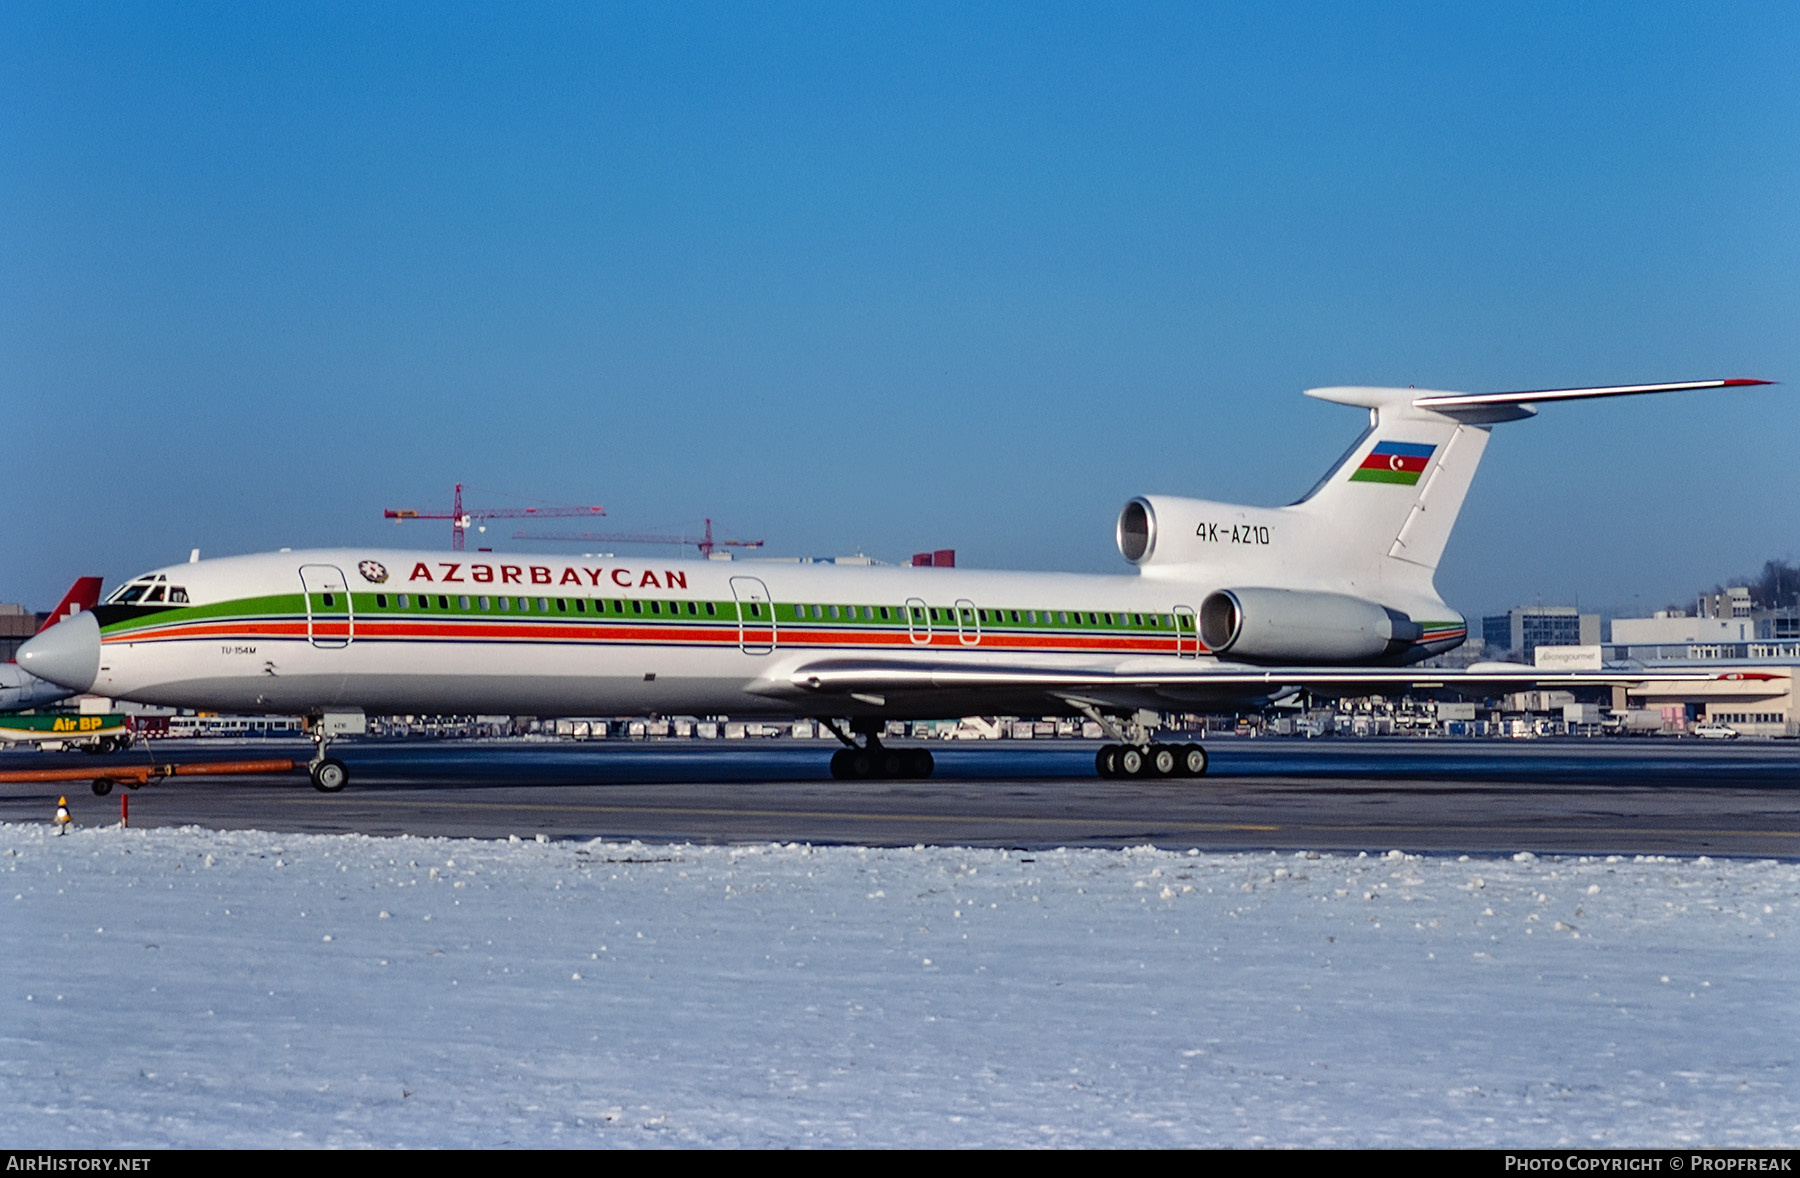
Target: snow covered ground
x=184 y=987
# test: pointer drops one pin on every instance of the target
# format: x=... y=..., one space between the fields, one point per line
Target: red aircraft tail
x=83 y=594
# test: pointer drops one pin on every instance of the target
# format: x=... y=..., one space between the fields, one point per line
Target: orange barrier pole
x=210 y=768
x=124 y=809
x=143 y=773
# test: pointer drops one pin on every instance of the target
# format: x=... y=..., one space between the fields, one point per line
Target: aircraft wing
x=908 y=685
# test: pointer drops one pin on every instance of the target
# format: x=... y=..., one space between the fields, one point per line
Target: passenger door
x=1187 y=633
x=756 y=615
x=968 y=622
x=330 y=621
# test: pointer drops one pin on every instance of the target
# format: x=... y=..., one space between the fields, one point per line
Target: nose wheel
x=1117 y=761
x=329 y=775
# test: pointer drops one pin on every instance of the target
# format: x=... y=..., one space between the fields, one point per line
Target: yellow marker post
x=63 y=817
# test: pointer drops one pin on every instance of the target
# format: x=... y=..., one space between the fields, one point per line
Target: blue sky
x=890 y=278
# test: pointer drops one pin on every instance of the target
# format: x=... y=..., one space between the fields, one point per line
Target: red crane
x=704 y=543
x=460 y=519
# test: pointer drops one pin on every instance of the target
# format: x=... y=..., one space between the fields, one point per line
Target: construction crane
x=705 y=543
x=460 y=519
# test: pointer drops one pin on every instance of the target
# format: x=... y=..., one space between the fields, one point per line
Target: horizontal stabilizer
x=1442 y=401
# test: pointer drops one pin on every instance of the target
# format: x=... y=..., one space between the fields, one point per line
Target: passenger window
x=711 y=610
x=618 y=606
x=443 y=601
x=330 y=599
x=884 y=613
x=834 y=613
x=543 y=605
x=580 y=606
x=693 y=609
x=381 y=601
x=656 y=607
x=405 y=601
x=637 y=607
x=461 y=603
x=562 y=605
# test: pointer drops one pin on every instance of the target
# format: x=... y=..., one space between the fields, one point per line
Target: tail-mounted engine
x=1297 y=626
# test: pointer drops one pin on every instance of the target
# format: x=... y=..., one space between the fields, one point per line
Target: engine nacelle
x=1299 y=626
x=1158 y=531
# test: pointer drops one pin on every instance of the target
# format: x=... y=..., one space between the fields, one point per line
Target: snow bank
x=185 y=987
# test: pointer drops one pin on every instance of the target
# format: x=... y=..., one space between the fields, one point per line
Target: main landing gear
x=874 y=759
x=1136 y=755
x=1153 y=760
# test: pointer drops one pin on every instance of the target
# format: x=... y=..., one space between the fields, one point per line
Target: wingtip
x=1739 y=382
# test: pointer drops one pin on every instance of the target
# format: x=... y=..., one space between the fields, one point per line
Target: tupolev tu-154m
x=1225 y=605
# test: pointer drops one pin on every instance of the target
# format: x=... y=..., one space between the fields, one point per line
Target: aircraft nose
x=67 y=654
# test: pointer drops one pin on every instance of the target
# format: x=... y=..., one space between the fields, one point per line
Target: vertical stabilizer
x=83 y=594
x=1396 y=494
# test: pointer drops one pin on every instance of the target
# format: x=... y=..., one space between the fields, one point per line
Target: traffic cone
x=63 y=817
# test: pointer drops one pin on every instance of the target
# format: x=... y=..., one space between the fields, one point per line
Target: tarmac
x=1563 y=796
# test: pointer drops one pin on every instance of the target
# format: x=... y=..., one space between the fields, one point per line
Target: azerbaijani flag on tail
x=1394 y=462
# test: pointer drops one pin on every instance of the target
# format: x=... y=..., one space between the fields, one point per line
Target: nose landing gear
x=329 y=775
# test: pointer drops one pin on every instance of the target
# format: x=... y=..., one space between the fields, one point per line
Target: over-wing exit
x=1224 y=604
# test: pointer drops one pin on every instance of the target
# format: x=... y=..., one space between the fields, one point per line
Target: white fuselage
x=394 y=632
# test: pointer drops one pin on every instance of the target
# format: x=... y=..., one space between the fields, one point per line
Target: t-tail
x=1346 y=573
x=1398 y=491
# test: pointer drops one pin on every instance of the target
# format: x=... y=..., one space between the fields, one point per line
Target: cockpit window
x=136 y=589
x=178 y=594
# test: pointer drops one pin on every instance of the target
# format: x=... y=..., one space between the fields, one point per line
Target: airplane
x=1226 y=605
x=19 y=689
